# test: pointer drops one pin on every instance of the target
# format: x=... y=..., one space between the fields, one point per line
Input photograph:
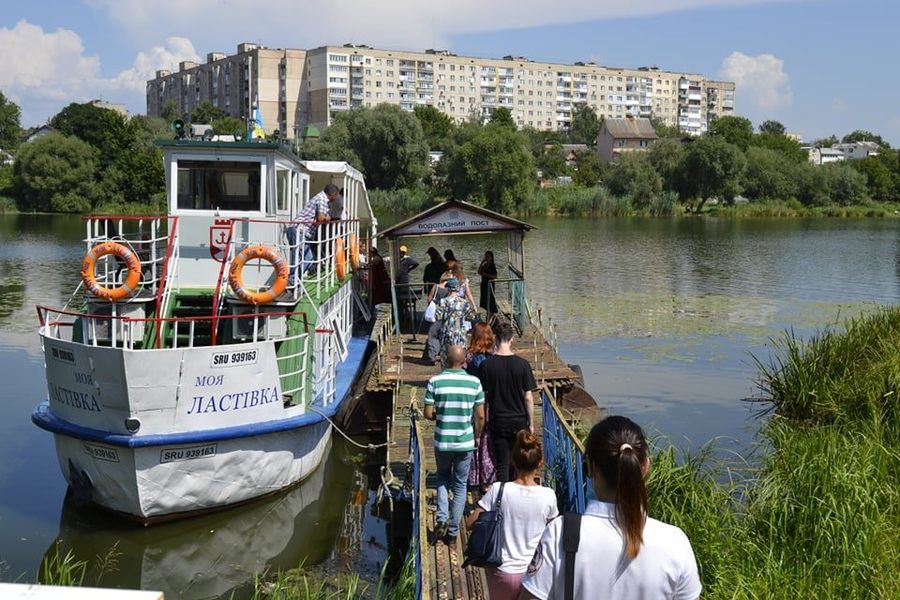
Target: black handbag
x=485 y=547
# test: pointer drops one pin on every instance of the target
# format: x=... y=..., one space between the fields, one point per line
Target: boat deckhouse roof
x=455 y=217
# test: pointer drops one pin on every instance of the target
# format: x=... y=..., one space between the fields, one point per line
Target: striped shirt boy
x=454 y=395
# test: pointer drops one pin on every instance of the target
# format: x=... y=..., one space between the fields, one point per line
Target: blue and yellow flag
x=257 y=131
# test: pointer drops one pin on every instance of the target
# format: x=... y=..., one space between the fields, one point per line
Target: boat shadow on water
x=219 y=555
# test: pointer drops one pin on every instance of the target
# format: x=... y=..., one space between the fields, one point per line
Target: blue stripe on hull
x=346 y=373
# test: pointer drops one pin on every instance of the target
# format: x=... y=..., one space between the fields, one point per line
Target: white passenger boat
x=189 y=371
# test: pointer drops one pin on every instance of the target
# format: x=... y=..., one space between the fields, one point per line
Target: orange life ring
x=236 y=281
x=132 y=279
x=340 y=261
x=354 y=253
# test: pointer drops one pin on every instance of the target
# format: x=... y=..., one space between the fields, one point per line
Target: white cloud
x=43 y=71
x=760 y=78
x=391 y=23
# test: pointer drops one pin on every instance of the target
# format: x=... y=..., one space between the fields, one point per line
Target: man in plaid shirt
x=306 y=222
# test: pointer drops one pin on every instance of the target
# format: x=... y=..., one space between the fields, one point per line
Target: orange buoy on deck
x=340 y=261
x=354 y=253
x=236 y=281
x=132 y=279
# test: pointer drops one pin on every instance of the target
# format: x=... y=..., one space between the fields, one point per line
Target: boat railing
x=382 y=336
x=169 y=267
x=313 y=260
x=116 y=330
x=325 y=361
x=147 y=236
x=563 y=457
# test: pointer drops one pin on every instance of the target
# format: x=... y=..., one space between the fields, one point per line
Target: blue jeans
x=305 y=251
x=452 y=473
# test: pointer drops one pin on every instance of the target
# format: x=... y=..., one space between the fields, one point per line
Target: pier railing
x=563 y=458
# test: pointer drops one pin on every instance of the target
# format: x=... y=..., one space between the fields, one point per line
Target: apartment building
x=296 y=88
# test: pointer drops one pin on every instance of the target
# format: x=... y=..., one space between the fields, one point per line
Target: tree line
x=98 y=159
x=94 y=159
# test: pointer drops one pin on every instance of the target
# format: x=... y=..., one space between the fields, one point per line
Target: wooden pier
x=402 y=371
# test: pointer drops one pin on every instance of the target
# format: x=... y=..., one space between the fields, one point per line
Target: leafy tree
x=206 y=113
x=663 y=130
x=138 y=176
x=104 y=129
x=10 y=128
x=769 y=175
x=437 y=127
x=780 y=143
x=56 y=173
x=861 y=135
x=585 y=125
x=492 y=167
x=169 y=111
x=734 y=130
x=388 y=142
x=334 y=145
x=667 y=155
x=503 y=117
x=634 y=176
x=773 y=127
x=147 y=130
x=846 y=185
x=589 y=170
x=826 y=142
x=551 y=162
x=879 y=179
x=229 y=126
x=713 y=167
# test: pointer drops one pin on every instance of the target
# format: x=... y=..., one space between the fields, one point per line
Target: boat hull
x=168 y=481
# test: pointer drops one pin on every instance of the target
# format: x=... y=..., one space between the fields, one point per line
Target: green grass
x=792 y=208
x=818 y=514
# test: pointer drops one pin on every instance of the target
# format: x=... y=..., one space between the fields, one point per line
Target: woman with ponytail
x=526 y=507
x=622 y=553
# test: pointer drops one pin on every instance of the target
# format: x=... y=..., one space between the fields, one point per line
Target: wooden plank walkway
x=403 y=371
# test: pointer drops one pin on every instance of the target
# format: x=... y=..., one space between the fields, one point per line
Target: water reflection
x=208 y=557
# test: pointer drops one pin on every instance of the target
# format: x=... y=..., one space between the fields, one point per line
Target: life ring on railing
x=354 y=253
x=132 y=279
x=340 y=261
x=236 y=281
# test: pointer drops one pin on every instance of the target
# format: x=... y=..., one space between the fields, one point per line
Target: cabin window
x=219 y=185
x=281 y=184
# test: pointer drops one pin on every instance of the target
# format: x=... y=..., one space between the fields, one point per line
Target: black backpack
x=571 y=538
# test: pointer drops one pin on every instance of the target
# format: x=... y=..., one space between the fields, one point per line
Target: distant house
x=857 y=150
x=119 y=108
x=624 y=135
x=38 y=133
x=823 y=156
x=6 y=158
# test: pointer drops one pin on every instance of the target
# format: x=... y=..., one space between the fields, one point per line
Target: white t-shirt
x=525 y=510
x=664 y=568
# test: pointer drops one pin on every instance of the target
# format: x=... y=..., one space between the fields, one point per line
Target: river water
x=664 y=317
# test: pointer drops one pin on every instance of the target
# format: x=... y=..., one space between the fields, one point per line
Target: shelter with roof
x=455 y=217
x=629 y=134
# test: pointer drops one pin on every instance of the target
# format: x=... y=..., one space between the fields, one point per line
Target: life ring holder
x=132 y=278
x=340 y=261
x=236 y=280
x=354 y=253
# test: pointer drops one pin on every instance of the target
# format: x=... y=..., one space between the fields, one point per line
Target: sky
x=820 y=67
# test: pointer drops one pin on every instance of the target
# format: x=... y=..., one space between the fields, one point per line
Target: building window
x=337 y=58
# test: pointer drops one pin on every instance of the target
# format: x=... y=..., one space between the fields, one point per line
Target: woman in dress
x=488 y=271
x=465 y=290
x=526 y=507
x=482 y=473
x=452 y=313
